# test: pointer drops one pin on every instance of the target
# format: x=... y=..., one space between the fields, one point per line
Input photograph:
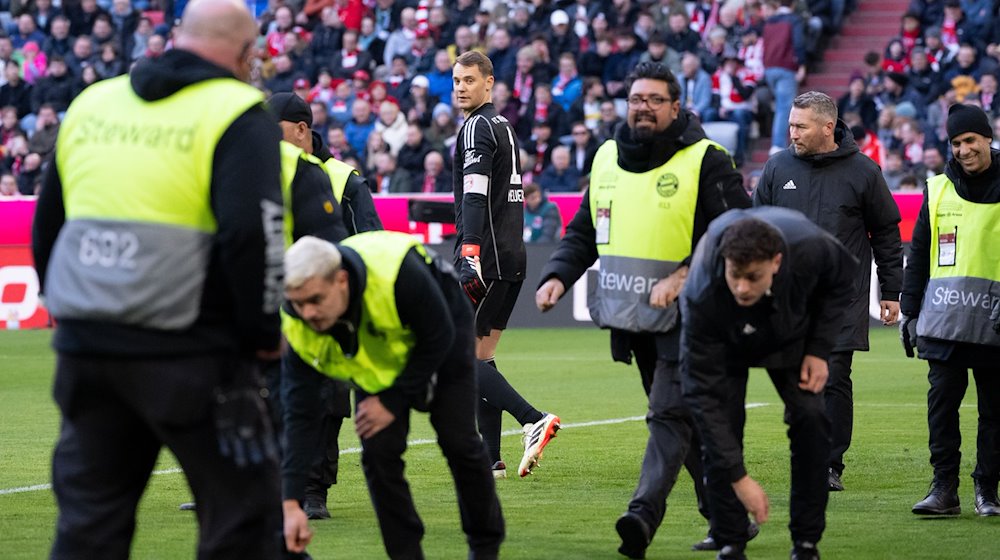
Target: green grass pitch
x=567 y=509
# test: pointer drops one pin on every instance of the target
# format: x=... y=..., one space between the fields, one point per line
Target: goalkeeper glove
x=471 y=275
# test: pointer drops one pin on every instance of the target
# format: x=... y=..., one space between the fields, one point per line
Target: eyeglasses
x=579 y=133
x=654 y=101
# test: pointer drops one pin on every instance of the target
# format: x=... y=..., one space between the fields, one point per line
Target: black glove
x=243 y=425
x=908 y=335
x=470 y=274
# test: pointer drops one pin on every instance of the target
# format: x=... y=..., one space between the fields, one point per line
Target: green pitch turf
x=567 y=509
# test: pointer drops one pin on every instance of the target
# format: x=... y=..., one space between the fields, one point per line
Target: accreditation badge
x=946 y=248
x=603 y=224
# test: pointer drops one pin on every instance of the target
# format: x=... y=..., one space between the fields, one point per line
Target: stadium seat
x=723 y=132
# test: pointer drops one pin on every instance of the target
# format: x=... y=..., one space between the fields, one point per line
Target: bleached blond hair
x=310 y=257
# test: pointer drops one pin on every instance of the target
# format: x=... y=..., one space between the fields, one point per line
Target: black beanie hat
x=968 y=118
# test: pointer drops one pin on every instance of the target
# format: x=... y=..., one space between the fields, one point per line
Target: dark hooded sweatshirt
x=720 y=187
x=843 y=191
x=982 y=189
x=246 y=168
x=359 y=208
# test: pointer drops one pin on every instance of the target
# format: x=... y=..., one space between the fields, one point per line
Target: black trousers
x=336 y=397
x=809 y=436
x=839 y=394
x=453 y=416
x=948 y=385
x=336 y=407
x=673 y=439
x=116 y=415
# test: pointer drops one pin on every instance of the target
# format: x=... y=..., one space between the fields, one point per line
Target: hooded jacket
x=359 y=208
x=720 y=187
x=983 y=189
x=843 y=191
x=246 y=169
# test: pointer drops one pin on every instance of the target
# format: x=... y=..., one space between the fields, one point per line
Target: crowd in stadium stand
x=377 y=74
x=946 y=52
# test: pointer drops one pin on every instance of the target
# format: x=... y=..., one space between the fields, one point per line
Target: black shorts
x=494 y=310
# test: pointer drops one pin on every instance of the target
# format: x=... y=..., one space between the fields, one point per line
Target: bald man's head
x=220 y=31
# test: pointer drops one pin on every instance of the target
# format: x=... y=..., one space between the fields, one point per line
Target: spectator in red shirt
x=733 y=86
x=284 y=21
x=869 y=144
x=895 y=57
x=351 y=12
x=910 y=32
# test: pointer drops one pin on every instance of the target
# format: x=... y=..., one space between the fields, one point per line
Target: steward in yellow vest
x=961 y=302
x=380 y=312
x=313 y=192
x=654 y=188
x=951 y=300
x=350 y=188
x=311 y=206
x=158 y=240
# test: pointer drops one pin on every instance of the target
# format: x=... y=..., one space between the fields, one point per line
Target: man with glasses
x=654 y=188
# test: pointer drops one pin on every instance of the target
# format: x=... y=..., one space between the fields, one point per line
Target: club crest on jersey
x=667 y=185
x=471 y=158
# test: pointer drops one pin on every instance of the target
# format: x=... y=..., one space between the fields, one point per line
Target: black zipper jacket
x=800 y=316
x=843 y=191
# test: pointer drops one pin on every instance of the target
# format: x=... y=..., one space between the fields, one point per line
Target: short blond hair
x=310 y=257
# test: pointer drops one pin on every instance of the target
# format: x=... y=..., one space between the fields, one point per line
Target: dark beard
x=643 y=134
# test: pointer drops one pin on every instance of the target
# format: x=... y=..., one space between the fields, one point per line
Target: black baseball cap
x=290 y=107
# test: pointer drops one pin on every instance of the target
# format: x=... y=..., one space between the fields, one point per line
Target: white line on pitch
x=352 y=450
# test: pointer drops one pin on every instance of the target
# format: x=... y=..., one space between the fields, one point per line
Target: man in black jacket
x=643 y=162
x=160 y=326
x=57 y=87
x=16 y=92
x=766 y=288
x=953 y=338
x=825 y=176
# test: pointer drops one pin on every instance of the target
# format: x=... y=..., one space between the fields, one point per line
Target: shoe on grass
x=536 y=437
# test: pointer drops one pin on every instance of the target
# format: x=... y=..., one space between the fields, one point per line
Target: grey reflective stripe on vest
x=618 y=294
x=961 y=309
x=140 y=274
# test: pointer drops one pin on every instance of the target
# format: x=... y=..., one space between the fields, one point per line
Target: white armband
x=476 y=184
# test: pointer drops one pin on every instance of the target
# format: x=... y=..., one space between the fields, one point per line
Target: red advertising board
x=20 y=306
x=19 y=303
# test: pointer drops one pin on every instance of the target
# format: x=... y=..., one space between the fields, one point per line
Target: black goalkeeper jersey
x=487 y=146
